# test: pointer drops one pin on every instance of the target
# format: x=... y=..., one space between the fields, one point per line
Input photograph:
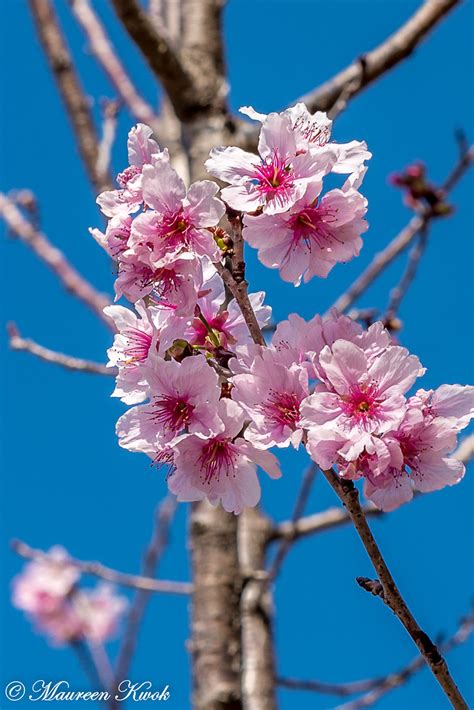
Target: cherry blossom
x=312 y=236
x=130 y=349
x=313 y=131
x=271 y=395
x=183 y=397
x=222 y=467
x=179 y=220
x=45 y=582
x=98 y=612
x=276 y=179
x=208 y=403
x=142 y=150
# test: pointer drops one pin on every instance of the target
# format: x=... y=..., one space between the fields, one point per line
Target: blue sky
x=65 y=480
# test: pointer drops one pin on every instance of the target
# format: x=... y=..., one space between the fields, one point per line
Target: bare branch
x=164 y=515
x=358 y=75
x=395 y=680
x=375 y=688
x=55 y=259
x=300 y=504
x=69 y=85
x=341 y=689
x=96 y=569
x=399 y=292
x=416 y=225
x=16 y=342
x=161 y=57
x=318 y=522
x=109 y=128
x=103 y=50
x=390 y=594
x=202 y=50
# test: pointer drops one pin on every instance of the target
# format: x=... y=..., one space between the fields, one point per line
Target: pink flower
x=359 y=397
x=453 y=402
x=99 y=611
x=142 y=150
x=179 y=220
x=271 y=395
x=301 y=342
x=313 y=131
x=227 y=323
x=130 y=349
x=312 y=236
x=174 y=286
x=117 y=234
x=183 y=398
x=222 y=467
x=45 y=582
x=424 y=443
x=61 y=626
x=275 y=180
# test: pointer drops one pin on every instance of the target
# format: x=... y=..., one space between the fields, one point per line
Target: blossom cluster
x=47 y=591
x=209 y=404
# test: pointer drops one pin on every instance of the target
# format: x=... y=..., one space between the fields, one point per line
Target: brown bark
x=258 y=672
x=215 y=645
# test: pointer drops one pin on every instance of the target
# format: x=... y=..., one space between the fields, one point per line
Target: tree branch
x=69 y=85
x=256 y=606
x=360 y=74
x=416 y=225
x=233 y=276
x=375 y=688
x=288 y=538
x=96 y=569
x=161 y=57
x=390 y=594
x=16 y=342
x=103 y=50
x=395 y=680
x=215 y=623
x=110 y=111
x=164 y=515
x=55 y=259
x=399 y=292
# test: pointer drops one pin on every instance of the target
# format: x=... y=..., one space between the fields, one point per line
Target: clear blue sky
x=65 y=480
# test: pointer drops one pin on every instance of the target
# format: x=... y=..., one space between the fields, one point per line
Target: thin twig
x=103 y=50
x=298 y=511
x=395 y=680
x=399 y=292
x=234 y=279
x=374 y=688
x=69 y=85
x=341 y=689
x=379 y=61
x=402 y=240
x=102 y=663
x=318 y=522
x=55 y=259
x=87 y=662
x=390 y=593
x=164 y=515
x=17 y=342
x=96 y=569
